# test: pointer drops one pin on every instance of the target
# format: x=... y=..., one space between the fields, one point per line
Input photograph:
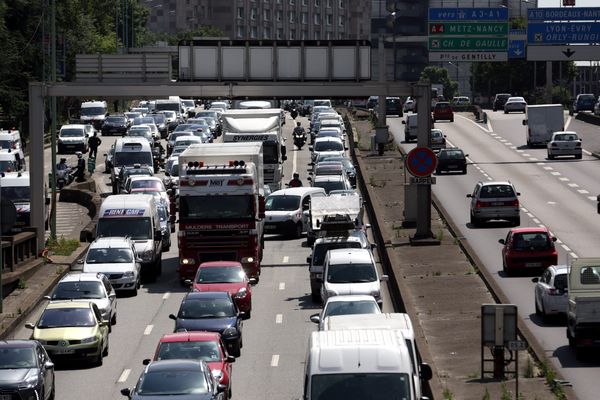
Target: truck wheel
x=538 y=312
x=570 y=338
x=474 y=220
x=298 y=232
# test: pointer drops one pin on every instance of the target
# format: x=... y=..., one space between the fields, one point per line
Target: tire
x=571 y=339
x=464 y=171
x=158 y=267
x=236 y=350
x=113 y=320
x=494 y=109
x=474 y=220
x=298 y=232
x=550 y=157
x=452 y=119
x=505 y=112
x=105 y=351
x=134 y=291
x=578 y=157
x=248 y=314
x=538 y=312
x=516 y=221
x=438 y=171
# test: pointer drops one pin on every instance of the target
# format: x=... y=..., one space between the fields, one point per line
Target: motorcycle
x=63 y=177
x=299 y=140
x=79 y=172
x=157 y=158
x=294 y=113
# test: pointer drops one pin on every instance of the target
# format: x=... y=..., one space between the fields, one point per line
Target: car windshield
x=282 y=203
x=183 y=127
x=174 y=171
x=134 y=228
x=93 y=111
x=361 y=386
x=351 y=307
x=17 y=357
x=169 y=114
x=179 y=133
x=122 y=158
x=8 y=166
x=158 y=118
x=491 y=191
x=451 y=155
x=351 y=273
x=15 y=193
x=442 y=106
x=143 y=120
x=66 y=317
x=109 y=255
x=436 y=134
x=71 y=133
x=531 y=241
x=207 y=308
x=172 y=382
x=78 y=290
x=149 y=185
x=206 y=351
x=115 y=120
x=330 y=185
x=133 y=115
x=216 y=207
x=220 y=275
x=319 y=252
x=329 y=146
x=516 y=99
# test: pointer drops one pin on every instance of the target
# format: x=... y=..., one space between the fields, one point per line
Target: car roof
x=297 y=191
x=111 y=242
x=17 y=343
x=211 y=264
x=207 y=295
x=57 y=305
x=351 y=297
x=560 y=268
x=328 y=139
x=328 y=178
x=490 y=183
x=175 y=364
x=81 y=277
x=193 y=336
x=530 y=229
x=350 y=256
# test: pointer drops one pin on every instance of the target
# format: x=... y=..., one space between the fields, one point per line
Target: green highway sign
x=468 y=28
x=472 y=43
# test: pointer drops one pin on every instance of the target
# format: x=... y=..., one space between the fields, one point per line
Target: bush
x=62 y=246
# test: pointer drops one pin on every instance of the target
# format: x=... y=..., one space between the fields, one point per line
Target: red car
x=205 y=346
x=527 y=249
x=443 y=111
x=225 y=276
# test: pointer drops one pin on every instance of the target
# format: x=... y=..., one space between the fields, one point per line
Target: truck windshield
x=7 y=144
x=216 y=207
x=135 y=228
x=174 y=106
x=270 y=153
x=7 y=166
x=90 y=111
x=360 y=386
x=132 y=157
x=15 y=193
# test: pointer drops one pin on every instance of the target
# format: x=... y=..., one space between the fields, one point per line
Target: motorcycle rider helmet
x=298 y=123
x=63 y=160
x=296 y=175
x=79 y=154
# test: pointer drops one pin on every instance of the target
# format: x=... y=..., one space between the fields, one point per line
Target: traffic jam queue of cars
x=225 y=202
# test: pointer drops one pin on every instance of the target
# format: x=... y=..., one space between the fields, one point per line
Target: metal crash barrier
x=18 y=249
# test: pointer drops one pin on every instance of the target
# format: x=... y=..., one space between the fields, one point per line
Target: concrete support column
x=36 y=157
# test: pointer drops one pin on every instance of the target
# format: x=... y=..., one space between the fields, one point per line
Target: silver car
x=438 y=140
x=564 y=143
x=515 y=104
x=551 y=291
x=494 y=200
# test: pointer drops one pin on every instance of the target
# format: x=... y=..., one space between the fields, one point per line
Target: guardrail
x=18 y=249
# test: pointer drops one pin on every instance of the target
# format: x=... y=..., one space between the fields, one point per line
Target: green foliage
x=448 y=395
x=440 y=75
x=62 y=246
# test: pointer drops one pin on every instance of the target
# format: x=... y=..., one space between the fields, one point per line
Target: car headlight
x=90 y=339
x=230 y=332
x=128 y=274
x=147 y=255
x=217 y=374
x=247 y=260
x=29 y=382
x=187 y=261
x=243 y=292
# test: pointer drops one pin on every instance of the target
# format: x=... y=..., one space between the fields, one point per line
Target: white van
x=400 y=323
x=94 y=112
x=15 y=187
x=129 y=151
x=137 y=218
x=284 y=210
x=352 y=364
x=410 y=127
x=542 y=121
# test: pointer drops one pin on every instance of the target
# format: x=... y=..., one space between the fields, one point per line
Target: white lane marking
x=569 y=118
x=166 y=295
x=124 y=376
x=542 y=225
x=592 y=198
x=564 y=179
x=583 y=191
x=513 y=147
x=294 y=159
x=548 y=168
x=490 y=179
x=555 y=173
x=508 y=144
x=573 y=185
x=520 y=151
x=148 y=330
x=552 y=203
x=285 y=259
x=503 y=140
x=526 y=155
x=588 y=153
x=573 y=255
x=537 y=221
x=279 y=318
x=489 y=125
x=275 y=360
x=541 y=163
x=532 y=159
x=558 y=240
x=564 y=246
x=281 y=285
x=524 y=209
x=530 y=215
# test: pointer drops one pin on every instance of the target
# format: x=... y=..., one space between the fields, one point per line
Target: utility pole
x=53 y=121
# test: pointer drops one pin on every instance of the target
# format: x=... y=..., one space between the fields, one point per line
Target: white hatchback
x=551 y=291
x=346 y=305
x=565 y=143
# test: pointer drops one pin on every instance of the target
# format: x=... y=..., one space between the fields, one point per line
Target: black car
x=500 y=100
x=212 y=312
x=26 y=371
x=115 y=125
x=126 y=172
x=584 y=102
x=161 y=124
x=451 y=160
x=176 y=379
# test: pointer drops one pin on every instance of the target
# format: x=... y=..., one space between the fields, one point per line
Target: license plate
x=452 y=166
x=64 y=351
x=533 y=264
x=5 y=397
x=269 y=227
x=497 y=203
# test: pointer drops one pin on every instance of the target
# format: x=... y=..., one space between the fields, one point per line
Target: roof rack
x=336 y=225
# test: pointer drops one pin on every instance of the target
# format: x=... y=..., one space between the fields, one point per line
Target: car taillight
x=578 y=144
x=480 y=204
x=554 y=145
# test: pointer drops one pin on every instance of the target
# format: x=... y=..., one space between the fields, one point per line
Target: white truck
x=354 y=364
x=259 y=125
x=322 y=207
x=542 y=121
x=400 y=324
x=583 y=310
x=15 y=187
x=221 y=206
x=93 y=112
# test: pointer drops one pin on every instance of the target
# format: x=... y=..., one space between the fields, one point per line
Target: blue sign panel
x=563 y=14
x=516 y=49
x=468 y=14
x=563 y=33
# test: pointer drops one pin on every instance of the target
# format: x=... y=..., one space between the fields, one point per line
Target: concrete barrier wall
x=85 y=195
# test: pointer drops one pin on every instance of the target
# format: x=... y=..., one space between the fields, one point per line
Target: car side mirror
x=230 y=359
x=554 y=238
x=48 y=365
x=373 y=246
x=501 y=241
x=426 y=373
x=404 y=122
x=252 y=281
x=315 y=318
x=29 y=325
x=384 y=278
x=310 y=148
x=469 y=195
x=466 y=155
x=518 y=193
x=308 y=260
x=187 y=282
x=146 y=361
x=126 y=392
x=535 y=280
x=173 y=317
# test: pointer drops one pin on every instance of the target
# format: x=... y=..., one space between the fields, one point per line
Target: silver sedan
x=515 y=104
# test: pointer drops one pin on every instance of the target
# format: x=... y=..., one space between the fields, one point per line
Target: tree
x=440 y=75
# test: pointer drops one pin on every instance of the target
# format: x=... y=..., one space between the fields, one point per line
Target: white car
x=515 y=104
x=329 y=145
x=438 y=140
x=284 y=210
x=564 y=143
x=94 y=287
x=351 y=271
x=551 y=291
x=141 y=184
x=346 y=305
x=116 y=258
x=409 y=105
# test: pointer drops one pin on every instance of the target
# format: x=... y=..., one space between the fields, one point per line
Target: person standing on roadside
x=93 y=143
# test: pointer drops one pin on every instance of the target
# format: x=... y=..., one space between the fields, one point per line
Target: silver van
x=410 y=127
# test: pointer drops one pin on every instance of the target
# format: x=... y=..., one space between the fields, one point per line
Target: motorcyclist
x=299 y=130
x=80 y=169
x=62 y=165
x=295 y=182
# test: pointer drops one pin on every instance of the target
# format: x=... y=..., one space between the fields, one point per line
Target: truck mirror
x=261 y=207
x=524 y=122
x=426 y=373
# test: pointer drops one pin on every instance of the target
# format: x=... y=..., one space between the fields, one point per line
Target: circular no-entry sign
x=421 y=161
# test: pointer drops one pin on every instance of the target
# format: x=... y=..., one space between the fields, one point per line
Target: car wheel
x=113 y=320
x=438 y=171
x=105 y=351
x=236 y=350
x=570 y=339
x=494 y=109
x=98 y=361
x=452 y=119
x=298 y=232
x=158 y=267
x=505 y=112
x=464 y=171
x=550 y=157
x=248 y=314
x=134 y=291
x=578 y=157
x=516 y=221
x=538 y=312
x=474 y=220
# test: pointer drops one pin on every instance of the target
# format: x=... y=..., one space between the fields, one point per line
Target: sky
x=578 y=3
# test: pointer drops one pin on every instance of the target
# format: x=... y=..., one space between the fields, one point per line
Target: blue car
x=212 y=312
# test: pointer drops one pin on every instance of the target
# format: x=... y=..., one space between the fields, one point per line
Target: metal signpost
x=468 y=34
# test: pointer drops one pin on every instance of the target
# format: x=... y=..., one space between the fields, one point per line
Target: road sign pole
x=423 y=95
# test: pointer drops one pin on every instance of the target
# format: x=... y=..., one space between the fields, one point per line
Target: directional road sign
x=563 y=32
x=563 y=53
x=468 y=28
x=516 y=49
x=563 y=14
x=468 y=43
x=468 y=14
x=421 y=161
x=441 y=56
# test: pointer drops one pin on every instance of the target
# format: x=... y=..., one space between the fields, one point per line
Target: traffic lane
x=589 y=133
x=450 y=191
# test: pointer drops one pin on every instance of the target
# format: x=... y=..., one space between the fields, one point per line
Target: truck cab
x=94 y=112
x=15 y=187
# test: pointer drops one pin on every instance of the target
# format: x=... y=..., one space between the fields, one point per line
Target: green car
x=72 y=330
